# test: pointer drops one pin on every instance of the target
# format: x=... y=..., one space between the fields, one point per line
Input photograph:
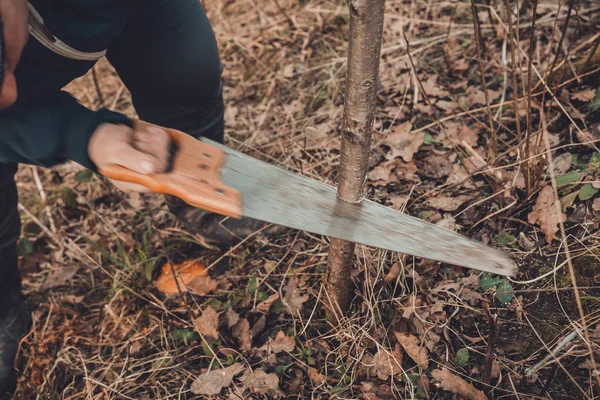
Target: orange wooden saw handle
x=194 y=176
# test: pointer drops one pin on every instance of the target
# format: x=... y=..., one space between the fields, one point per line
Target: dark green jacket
x=47 y=126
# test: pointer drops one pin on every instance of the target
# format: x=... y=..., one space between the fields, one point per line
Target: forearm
x=51 y=131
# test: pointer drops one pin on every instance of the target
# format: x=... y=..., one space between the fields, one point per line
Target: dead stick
x=527 y=169
x=482 y=73
x=489 y=357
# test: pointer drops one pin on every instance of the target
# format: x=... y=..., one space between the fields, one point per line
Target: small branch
x=527 y=168
x=482 y=73
x=489 y=357
x=514 y=62
x=97 y=84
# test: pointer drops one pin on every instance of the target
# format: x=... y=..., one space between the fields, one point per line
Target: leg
x=14 y=321
x=168 y=58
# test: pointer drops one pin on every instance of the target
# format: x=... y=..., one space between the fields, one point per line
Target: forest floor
x=91 y=255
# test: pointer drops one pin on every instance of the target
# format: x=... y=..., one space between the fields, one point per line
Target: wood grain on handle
x=194 y=176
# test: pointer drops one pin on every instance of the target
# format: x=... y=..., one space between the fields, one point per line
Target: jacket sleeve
x=49 y=131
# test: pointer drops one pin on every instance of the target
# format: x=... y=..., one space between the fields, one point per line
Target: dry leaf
x=471 y=296
x=208 y=323
x=232 y=318
x=406 y=171
x=437 y=166
x=447 y=203
x=281 y=343
x=596 y=204
x=402 y=142
x=434 y=89
x=292 y=299
x=393 y=273
x=584 y=95
x=448 y=106
x=262 y=383
x=454 y=384
x=211 y=383
x=411 y=346
x=315 y=376
x=449 y=223
x=59 y=277
x=241 y=331
x=386 y=363
x=545 y=213
x=186 y=272
x=380 y=175
x=266 y=305
x=562 y=164
x=202 y=285
x=398 y=201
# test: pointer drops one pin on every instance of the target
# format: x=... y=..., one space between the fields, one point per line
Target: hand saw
x=208 y=175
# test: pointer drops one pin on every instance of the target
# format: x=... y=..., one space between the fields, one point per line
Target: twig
x=489 y=357
x=43 y=197
x=551 y=355
x=482 y=73
x=513 y=63
x=549 y=380
x=527 y=169
x=97 y=84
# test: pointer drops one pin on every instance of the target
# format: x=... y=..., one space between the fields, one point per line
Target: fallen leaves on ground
x=315 y=376
x=281 y=343
x=192 y=275
x=59 y=277
x=452 y=383
x=261 y=382
x=241 y=331
x=211 y=383
x=437 y=166
x=208 y=323
x=386 y=363
x=402 y=142
x=410 y=344
x=292 y=299
x=545 y=213
x=447 y=203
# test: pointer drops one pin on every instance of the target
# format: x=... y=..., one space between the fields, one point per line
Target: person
x=164 y=51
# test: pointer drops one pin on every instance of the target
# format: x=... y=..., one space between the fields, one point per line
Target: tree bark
x=366 y=26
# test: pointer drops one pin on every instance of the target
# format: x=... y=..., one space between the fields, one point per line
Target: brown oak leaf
x=202 y=285
x=211 y=383
x=545 y=213
x=292 y=299
x=385 y=363
x=402 y=142
x=459 y=386
x=380 y=175
x=447 y=203
x=410 y=344
x=261 y=382
x=584 y=95
x=281 y=343
x=241 y=331
x=208 y=323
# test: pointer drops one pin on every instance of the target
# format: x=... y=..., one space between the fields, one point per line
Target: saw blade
x=282 y=197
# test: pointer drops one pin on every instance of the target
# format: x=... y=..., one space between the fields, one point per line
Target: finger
x=8 y=93
x=155 y=142
x=129 y=187
x=128 y=156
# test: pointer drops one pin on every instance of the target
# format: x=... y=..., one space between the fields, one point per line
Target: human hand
x=15 y=24
x=145 y=151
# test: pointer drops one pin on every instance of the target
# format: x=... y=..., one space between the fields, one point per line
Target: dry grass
x=107 y=333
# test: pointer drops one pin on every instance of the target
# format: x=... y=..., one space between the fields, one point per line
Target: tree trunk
x=366 y=25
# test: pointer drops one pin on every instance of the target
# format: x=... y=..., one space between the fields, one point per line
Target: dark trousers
x=167 y=56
